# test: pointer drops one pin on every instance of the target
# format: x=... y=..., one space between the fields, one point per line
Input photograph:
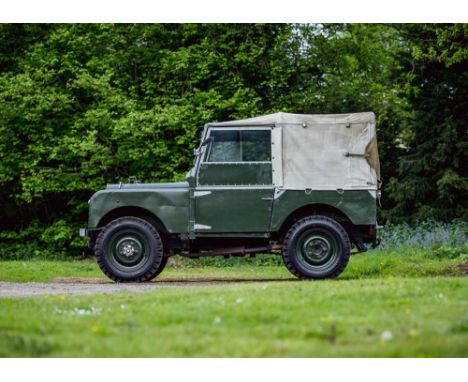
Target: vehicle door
x=234 y=189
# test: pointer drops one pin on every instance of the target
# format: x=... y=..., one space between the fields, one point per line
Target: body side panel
x=358 y=205
x=234 y=210
x=236 y=173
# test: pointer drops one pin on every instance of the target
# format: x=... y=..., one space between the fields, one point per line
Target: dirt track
x=93 y=286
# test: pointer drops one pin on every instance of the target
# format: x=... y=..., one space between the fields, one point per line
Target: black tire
x=161 y=266
x=129 y=249
x=316 y=247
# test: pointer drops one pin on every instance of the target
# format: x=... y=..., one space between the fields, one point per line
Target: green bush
x=56 y=241
x=82 y=105
x=451 y=252
x=440 y=240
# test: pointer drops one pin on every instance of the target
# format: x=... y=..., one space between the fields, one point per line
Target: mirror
x=206 y=141
x=199 y=150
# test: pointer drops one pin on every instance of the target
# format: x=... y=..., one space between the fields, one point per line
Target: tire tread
x=151 y=273
x=298 y=225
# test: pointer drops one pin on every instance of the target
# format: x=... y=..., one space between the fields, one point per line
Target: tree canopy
x=82 y=105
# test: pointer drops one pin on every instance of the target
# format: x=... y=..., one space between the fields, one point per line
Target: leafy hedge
x=82 y=105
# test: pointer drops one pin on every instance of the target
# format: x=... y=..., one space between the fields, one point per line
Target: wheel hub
x=316 y=248
x=128 y=250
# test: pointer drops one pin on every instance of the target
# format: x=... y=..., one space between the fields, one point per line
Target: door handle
x=267 y=198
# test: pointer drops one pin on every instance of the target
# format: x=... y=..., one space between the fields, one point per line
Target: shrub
x=56 y=241
x=442 y=240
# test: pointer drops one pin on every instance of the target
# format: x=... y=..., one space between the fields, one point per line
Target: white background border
x=311 y=11
x=235 y=370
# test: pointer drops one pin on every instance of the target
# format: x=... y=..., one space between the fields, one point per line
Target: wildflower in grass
x=413 y=333
x=428 y=234
x=78 y=312
x=386 y=336
x=217 y=320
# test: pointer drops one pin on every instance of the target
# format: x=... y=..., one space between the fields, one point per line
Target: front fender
x=170 y=205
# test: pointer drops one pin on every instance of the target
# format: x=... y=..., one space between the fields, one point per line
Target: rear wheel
x=130 y=249
x=316 y=247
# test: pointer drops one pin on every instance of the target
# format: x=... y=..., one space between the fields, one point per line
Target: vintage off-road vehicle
x=307 y=185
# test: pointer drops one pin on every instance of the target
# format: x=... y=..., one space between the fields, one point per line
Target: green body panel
x=227 y=209
x=233 y=211
x=168 y=201
x=257 y=173
x=358 y=205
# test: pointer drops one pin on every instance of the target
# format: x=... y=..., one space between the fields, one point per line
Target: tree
x=431 y=181
x=83 y=105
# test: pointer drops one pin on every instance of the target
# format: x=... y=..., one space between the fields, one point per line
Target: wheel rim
x=128 y=251
x=318 y=249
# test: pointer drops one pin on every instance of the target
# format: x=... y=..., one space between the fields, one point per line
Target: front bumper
x=91 y=233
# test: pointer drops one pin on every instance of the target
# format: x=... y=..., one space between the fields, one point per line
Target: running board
x=239 y=251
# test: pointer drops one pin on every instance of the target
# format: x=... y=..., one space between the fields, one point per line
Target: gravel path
x=40 y=289
x=94 y=286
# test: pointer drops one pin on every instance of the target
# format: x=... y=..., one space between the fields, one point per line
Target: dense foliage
x=86 y=105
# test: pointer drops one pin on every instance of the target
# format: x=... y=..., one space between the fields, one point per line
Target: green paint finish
x=234 y=210
x=358 y=205
x=316 y=248
x=226 y=210
x=253 y=173
x=168 y=201
x=128 y=251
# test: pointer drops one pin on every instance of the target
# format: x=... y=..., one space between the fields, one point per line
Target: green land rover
x=304 y=186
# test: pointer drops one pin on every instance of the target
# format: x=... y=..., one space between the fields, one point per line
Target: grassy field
x=385 y=304
x=377 y=264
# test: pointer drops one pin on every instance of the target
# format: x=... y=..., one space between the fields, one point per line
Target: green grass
x=420 y=302
x=376 y=264
x=425 y=316
x=46 y=271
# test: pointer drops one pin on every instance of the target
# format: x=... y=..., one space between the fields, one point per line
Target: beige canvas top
x=321 y=152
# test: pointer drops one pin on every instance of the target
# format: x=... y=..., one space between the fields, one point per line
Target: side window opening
x=240 y=146
x=225 y=146
x=256 y=145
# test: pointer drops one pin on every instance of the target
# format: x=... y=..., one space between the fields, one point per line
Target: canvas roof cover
x=322 y=151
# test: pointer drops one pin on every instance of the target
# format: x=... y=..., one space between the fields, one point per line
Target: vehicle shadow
x=220 y=280
x=175 y=280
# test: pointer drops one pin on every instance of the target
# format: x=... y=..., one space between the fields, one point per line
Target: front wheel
x=130 y=249
x=316 y=247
